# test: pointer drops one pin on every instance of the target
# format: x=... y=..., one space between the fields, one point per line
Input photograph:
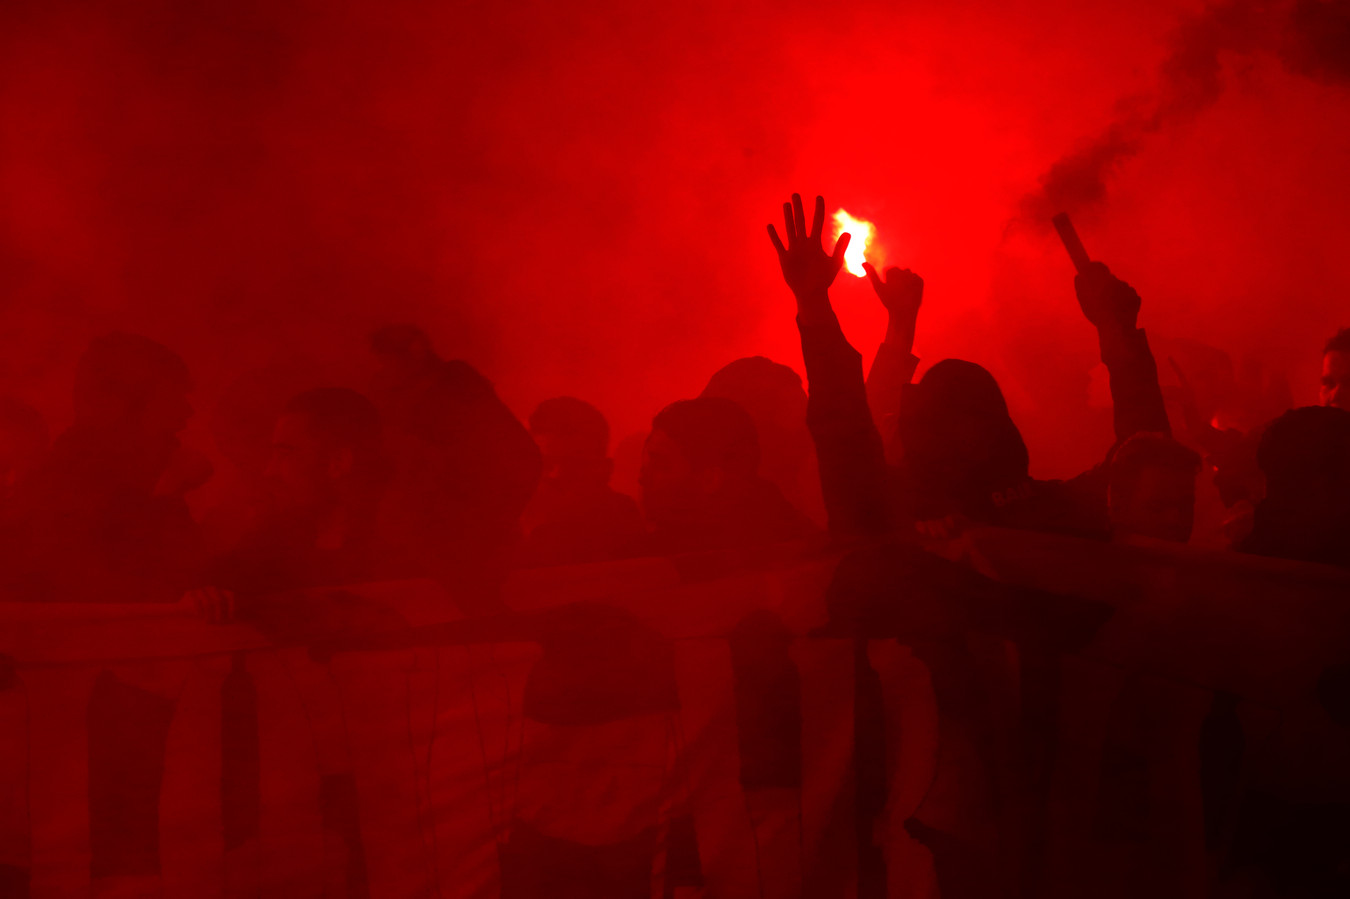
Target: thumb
x=873 y=277
x=840 y=247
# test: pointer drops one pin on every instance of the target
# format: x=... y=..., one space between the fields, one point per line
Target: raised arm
x=1113 y=307
x=901 y=292
x=848 y=445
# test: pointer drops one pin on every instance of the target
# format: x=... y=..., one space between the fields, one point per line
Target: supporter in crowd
x=773 y=395
x=447 y=478
x=1336 y=371
x=464 y=467
x=242 y=424
x=324 y=480
x=1232 y=451
x=575 y=517
x=701 y=488
x=963 y=458
x=103 y=517
x=1305 y=513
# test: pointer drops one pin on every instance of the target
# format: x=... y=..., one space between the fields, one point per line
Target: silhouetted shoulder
x=458 y=375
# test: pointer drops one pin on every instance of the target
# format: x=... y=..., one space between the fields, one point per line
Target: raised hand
x=807 y=268
x=1107 y=301
x=901 y=293
x=215 y=604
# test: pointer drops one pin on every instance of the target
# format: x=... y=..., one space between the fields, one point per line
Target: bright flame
x=861 y=232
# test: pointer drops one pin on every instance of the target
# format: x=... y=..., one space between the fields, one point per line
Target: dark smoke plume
x=1311 y=38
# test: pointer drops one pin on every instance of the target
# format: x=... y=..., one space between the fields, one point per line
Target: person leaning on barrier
x=103 y=517
x=324 y=481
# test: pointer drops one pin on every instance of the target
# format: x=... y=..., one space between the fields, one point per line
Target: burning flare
x=861 y=231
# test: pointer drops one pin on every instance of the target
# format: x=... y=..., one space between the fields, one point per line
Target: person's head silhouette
x=959 y=442
x=131 y=384
x=327 y=455
x=1305 y=514
x=573 y=438
x=699 y=451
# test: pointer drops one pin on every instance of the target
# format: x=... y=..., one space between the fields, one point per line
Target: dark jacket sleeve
x=1136 y=397
x=853 y=475
x=892 y=370
x=1137 y=407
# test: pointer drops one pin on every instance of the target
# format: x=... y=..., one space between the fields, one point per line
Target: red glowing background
x=574 y=199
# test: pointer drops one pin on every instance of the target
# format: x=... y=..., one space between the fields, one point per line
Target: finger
x=777 y=244
x=818 y=219
x=840 y=246
x=873 y=277
x=789 y=226
x=229 y=606
x=798 y=216
x=1098 y=272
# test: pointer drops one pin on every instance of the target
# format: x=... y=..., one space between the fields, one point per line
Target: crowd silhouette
x=427 y=473
x=424 y=473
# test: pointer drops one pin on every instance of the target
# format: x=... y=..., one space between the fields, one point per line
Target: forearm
x=848 y=445
x=892 y=369
x=1136 y=396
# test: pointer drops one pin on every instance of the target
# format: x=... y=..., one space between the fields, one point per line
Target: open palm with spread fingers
x=807 y=268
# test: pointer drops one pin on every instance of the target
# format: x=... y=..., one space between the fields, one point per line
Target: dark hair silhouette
x=957 y=435
x=119 y=373
x=1339 y=342
x=1305 y=456
x=401 y=340
x=341 y=418
x=712 y=432
x=755 y=380
x=574 y=418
